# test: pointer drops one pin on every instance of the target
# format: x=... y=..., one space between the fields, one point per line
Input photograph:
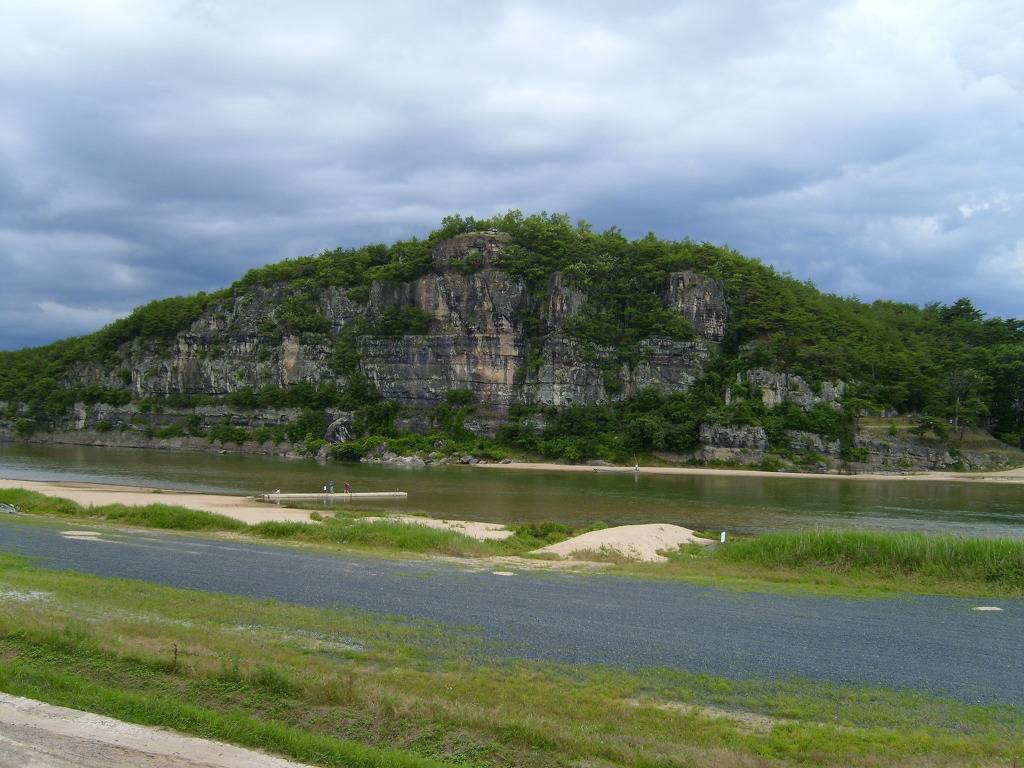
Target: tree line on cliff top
x=947 y=361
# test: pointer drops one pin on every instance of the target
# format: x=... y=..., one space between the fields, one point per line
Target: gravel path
x=935 y=644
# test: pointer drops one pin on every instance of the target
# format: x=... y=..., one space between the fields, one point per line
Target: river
x=722 y=502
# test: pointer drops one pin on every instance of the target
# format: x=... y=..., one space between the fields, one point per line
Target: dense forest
x=948 y=365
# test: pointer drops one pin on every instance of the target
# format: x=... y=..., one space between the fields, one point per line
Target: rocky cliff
x=454 y=339
x=478 y=340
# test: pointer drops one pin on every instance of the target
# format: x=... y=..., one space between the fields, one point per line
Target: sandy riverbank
x=241 y=508
x=1001 y=476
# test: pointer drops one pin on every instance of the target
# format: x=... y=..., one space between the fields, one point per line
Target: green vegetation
x=650 y=421
x=945 y=363
x=994 y=563
x=149 y=515
x=354 y=532
x=394 y=322
x=343 y=688
x=868 y=564
x=346 y=528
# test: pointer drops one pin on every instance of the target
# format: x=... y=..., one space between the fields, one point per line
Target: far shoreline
x=1013 y=476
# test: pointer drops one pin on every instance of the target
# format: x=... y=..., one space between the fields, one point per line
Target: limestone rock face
x=908 y=454
x=701 y=300
x=741 y=443
x=223 y=352
x=741 y=436
x=476 y=341
x=487 y=335
x=811 y=442
x=777 y=388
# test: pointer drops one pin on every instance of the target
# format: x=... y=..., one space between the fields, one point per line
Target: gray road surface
x=935 y=644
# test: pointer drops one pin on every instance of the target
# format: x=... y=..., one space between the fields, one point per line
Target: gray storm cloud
x=151 y=149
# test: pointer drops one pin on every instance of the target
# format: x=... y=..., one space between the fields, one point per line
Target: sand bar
x=241 y=508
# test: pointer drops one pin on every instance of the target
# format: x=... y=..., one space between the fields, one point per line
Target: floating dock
x=321 y=496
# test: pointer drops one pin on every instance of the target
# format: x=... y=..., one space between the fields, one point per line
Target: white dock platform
x=321 y=496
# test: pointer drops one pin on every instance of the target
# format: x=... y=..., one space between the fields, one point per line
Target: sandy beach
x=1002 y=476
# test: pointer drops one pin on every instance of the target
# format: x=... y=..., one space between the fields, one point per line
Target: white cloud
x=80 y=318
x=150 y=148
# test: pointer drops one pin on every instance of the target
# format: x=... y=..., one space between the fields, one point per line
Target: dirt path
x=38 y=735
x=239 y=507
x=1001 y=476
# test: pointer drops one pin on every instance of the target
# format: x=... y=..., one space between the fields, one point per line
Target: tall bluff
x=479 y=339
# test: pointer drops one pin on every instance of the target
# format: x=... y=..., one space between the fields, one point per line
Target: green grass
x=348 y=530
x=851 y=564
x=353 y=531
x=334 y=687
x=995 y=562
x=151 y=515
x=382 y=534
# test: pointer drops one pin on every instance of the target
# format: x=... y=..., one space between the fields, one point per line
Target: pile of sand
x=480 y=531
x=637 y=542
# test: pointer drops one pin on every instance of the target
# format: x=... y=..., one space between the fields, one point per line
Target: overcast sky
x=156 y=148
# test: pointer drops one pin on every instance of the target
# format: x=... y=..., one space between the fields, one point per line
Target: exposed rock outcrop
x=904 y=454
x=339 y=430
x=743 y=444
x=777 y=388
x=811 y=442
x=701 y=300
x=477 y=340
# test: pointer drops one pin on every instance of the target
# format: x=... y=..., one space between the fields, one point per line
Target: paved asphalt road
x=935 y=644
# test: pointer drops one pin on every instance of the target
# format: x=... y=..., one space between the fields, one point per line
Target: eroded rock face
x=478 y=340
x=777 y=388
x=740 y=436
x=701 y=300
x=811 y=442
x=340 y=429
x=224 y=351
x=736 y=444
x=903 y=455
x=475 y=342
x=472 y=248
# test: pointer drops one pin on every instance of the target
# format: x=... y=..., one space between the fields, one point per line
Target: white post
x=723 y=537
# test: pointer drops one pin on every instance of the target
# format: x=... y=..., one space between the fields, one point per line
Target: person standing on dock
x=347 y=486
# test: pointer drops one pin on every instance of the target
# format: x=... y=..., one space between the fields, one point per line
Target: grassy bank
x=348 y=529
x=853 y=562
x=999 y=562
x=344 y=688
x=163 y=516
x=829 y=561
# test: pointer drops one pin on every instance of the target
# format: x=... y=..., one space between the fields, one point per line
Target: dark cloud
x=155 y=148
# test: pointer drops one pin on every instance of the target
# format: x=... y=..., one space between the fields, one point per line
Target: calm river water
x=740 y=504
